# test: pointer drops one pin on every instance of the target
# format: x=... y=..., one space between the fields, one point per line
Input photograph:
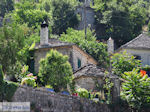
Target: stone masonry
x=54 y=102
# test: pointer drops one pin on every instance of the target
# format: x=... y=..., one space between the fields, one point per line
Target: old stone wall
x=73 y=54
x=88 y=83
x=89 y=20
x=77 y=55
x=54 y=102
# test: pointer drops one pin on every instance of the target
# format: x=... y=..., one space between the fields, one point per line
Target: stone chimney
x=110 y=45
x=44 y=34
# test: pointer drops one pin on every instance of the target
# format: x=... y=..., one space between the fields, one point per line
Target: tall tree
x=15 y=42
x=6 y=6
x=63 y=14
x=29 y=12
x=120 y=19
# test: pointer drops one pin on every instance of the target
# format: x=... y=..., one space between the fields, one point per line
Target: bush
x=7 y=89
x=123 y=63
x=29 y=80
x=55 y=70
x=136 y=90
x=1 y=75
x=83 y=92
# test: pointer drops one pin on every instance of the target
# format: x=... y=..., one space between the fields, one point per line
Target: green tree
x=55 y=70
x=136 y=90
x=97 y=50
x=123 y=62
x=120 y=19
x=59 y=14
x=5 y=7
x=63 y=14
x=15 y=42
x=29 y=12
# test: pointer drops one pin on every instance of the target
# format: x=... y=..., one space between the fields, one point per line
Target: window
x=81 y=0
x=79 y=63
x=137 y=57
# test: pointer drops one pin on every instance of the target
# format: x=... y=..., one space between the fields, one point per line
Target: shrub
x=55 y=70
x=1 y=75
x=136 y=90
x=82 y=92
x=7 y=89
x=123 y=63
x=29 y=80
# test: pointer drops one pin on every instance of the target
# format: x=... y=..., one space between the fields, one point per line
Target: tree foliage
x=55 y=70
x=1 y=75
x=5 y=7
x=136 y=90
x=98 y=50
x=64 y=15
x=123 y=62
x=29 y=12
x=15 y=42
x=59 y=14
x=120 y=19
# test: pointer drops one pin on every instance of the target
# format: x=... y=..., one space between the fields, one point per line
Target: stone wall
x=89 y=17
x=72 y=53
x=54 y=102
x=89 y=83
x=77 y=55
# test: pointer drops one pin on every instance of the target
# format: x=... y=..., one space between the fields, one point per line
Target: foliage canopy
x=98 y=50
x=123 y=62
x=55 y=70
x=136 y=90
x=120 y=19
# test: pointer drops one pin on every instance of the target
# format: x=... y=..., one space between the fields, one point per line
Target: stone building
x=138 y=47
x=87 y=74
x=91 y=77
x=77 y=57
x=87 y=15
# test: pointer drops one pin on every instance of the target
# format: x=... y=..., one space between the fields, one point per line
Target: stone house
x=91 y=77
x=87 y=74
x=87 y=15
x=138 y=47
x=77 y=57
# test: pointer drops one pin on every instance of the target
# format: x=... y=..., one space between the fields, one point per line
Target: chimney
x=110 y=45
x=44 y=34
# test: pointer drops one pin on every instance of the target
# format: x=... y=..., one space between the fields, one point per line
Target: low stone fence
x=45 y=101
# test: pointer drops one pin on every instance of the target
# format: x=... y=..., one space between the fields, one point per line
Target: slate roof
x=91 y=71
x=140 y=42
x=53 y=43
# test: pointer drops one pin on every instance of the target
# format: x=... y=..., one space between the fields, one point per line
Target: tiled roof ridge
x=82 y=68
x=131 y=44
x=132 y=40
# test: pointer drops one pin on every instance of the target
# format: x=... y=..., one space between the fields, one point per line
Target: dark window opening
x=79 y=63
x=81 y=0
x=137 y=57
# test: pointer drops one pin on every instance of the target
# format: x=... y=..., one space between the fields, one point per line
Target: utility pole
x=85 y=26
